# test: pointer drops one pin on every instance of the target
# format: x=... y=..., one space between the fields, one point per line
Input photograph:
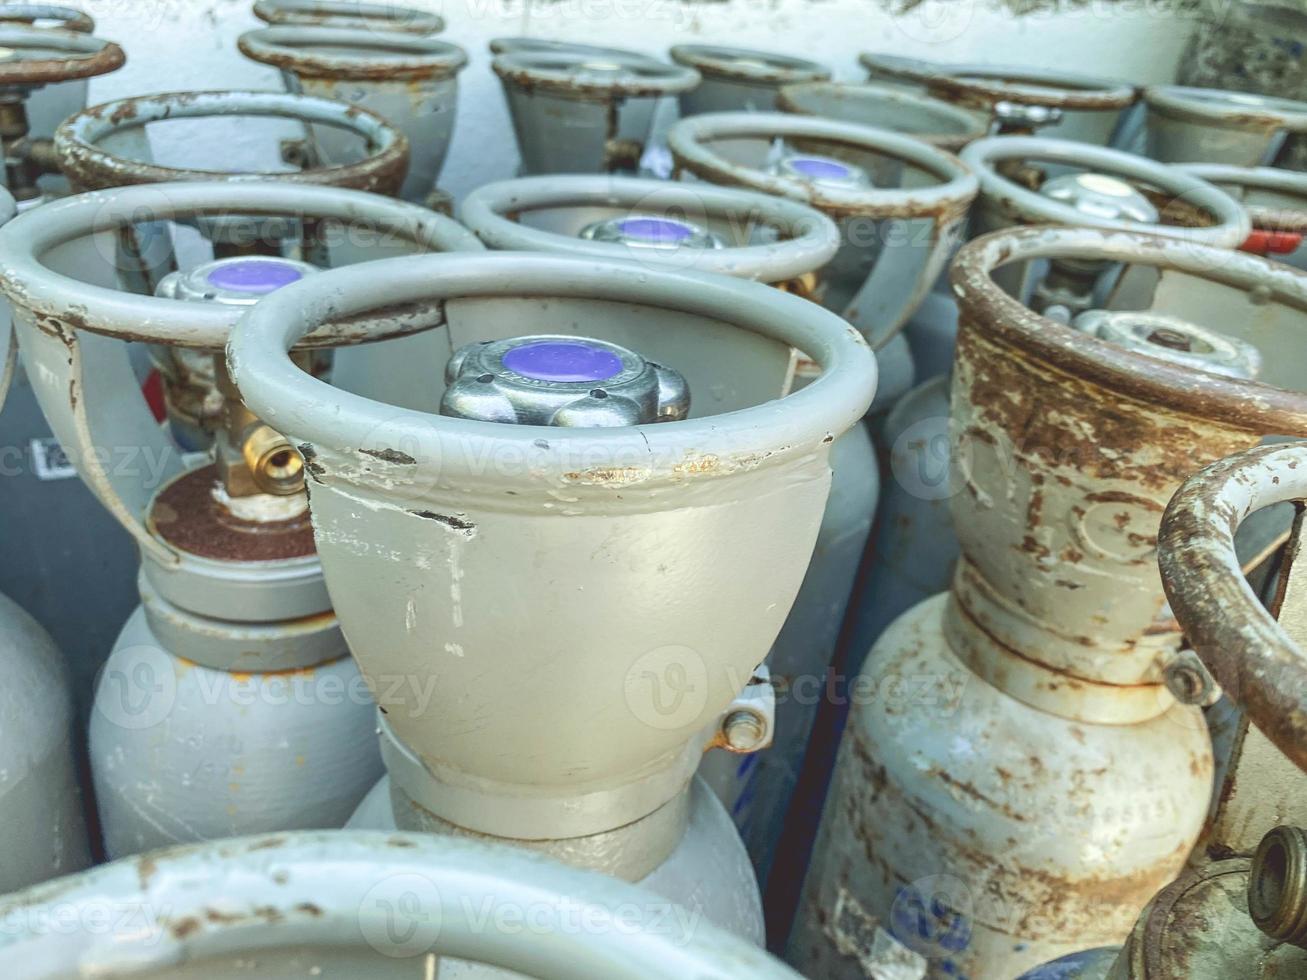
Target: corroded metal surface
x=79 y=395
x=90 y=167
x=571 y=73
x=1214 y=218
x=897 y=236
x=761 y=237
x=1092 y=105
x=1249 y=653
x=44 y=56
x=1276 y=201
x=939 y=123
x=604 y=99
x=1198 y=927
x=65 y=18
x=349 y=13
x=740 y=78
x=352 y=55
x=1198 y=125
x=409 y=80
x=366 y=905
x=989 y=820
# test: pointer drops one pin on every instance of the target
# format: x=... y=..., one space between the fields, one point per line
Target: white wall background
x=177 y=45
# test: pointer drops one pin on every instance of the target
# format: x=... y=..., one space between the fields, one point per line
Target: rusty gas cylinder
x=1017 y=778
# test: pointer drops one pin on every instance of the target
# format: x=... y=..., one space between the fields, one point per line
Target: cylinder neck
x=633 y=824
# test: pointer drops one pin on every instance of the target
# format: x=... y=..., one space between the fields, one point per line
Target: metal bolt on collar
x=744 y=731
x=1189 y=681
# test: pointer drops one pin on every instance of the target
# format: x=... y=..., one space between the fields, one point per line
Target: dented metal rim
x=747 y=65
x=579 y=74
x=1026 y=205
x=1224 y=107
x=766 y=434
x=348 y=13
x=1259 y=666
x=1248 y=405
x=335 y=890
x=989 y=84
x=935 y=121
x=1290 y=183
x=315 y=52
x=55 y=55
x=809 y=238
x=29 y=283
x=90 y=167
x=690 y=143
x=67 y=18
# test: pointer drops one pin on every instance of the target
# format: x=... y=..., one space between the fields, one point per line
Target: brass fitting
x=252 y=456
x=1277 y=886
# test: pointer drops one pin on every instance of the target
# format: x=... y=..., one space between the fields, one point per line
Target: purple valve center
x=655 y=229
x=563 y=360
x=254 y=275
x=819 y=169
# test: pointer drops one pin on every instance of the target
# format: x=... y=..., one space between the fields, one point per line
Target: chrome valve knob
x=1101 y=196
x=820 y=170
x=565 y=381
x=236 y=281
x=1174 y=340
x=650 y=231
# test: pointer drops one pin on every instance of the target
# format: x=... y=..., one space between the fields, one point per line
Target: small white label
x=857 y=933
x=49 y=460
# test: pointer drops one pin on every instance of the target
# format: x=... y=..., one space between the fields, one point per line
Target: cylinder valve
x=650 y=231
x=820 y=170
x=253 y=458
x=563 y=381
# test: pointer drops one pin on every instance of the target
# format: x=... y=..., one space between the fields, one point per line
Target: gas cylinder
x=39 y=495
x=752 y=236
x=1017 y=779
x=43 y=73
x=739 y=79
x=1276 y=202
x=886 y=107
x=51 y=104
x=1033 y=180
x=604 y=99
x=108 y=146
x=914 y=546
x=899 y=202
x=360 y=905
x=1241 y=910
x=229 y=702
x=563 y=551
x=1202 y=125
x=409 y=79
x=1019 y=99
x=74 y=545
x=356 y=14
x=40 y=802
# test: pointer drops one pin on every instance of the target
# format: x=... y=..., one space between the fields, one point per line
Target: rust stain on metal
x=390 y=456
x=89 y=167
x=186 y=515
